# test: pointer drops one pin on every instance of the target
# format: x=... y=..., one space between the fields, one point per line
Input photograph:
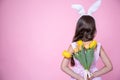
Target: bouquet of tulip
x=85 y=55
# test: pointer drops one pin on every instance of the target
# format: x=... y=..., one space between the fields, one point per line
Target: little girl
x=85 y=31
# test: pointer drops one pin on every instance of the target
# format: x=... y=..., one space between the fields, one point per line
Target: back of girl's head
x=85 y=29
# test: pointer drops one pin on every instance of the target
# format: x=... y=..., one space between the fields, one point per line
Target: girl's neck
x=86 y=43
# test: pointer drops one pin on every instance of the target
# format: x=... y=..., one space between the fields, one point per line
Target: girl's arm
x=107 y=64
x=65 y=66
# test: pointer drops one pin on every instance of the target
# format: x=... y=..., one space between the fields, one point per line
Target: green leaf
x=85 y=58
x=89 y=57
x=80 y=56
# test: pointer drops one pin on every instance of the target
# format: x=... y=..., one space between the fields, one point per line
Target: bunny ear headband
x=91 y=10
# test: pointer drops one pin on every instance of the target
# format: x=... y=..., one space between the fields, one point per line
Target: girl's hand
x=92 y=76
x=80 y=79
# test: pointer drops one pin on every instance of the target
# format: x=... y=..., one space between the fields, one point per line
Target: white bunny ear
x=94 y=7
x=80 y=9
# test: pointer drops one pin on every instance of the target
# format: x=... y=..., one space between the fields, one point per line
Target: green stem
x=85 y=58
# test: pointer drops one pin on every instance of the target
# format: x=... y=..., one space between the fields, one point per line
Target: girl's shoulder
x=73 y=44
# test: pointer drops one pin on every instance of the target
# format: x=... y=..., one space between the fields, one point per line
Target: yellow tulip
x=93 y=44
x=79 y=48
x=66 y=54
x=79 y=43
x=76 y=50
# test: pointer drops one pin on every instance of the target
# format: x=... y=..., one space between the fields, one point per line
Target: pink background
x=33 y=33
